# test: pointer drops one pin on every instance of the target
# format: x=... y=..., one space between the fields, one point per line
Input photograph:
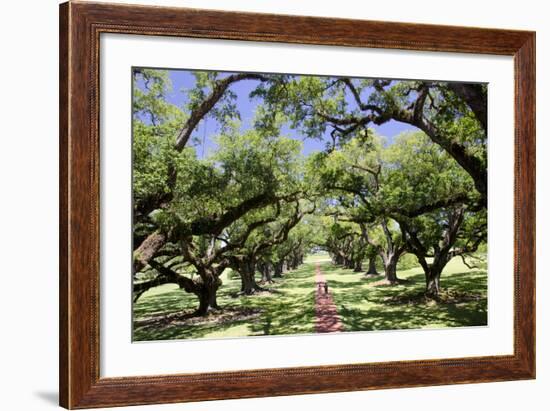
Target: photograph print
x=276 y=204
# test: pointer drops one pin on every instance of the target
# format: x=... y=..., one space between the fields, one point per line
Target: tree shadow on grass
x=184 y=325
x=263 y=291
x=269 y=315
x=464 y=303
x=286 y=316
x=286 y=308
x=289 y=307
x=408 y=317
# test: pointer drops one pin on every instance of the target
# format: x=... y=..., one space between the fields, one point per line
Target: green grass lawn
x=287 y=309
x=363 y=304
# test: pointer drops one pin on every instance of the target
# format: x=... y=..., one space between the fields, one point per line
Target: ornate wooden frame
x=80 y=27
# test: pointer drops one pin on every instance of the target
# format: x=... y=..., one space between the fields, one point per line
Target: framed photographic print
x=259 y=205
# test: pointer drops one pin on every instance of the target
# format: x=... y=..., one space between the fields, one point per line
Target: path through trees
x=327 y=319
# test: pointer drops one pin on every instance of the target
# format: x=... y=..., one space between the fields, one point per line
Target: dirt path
x=327 y=319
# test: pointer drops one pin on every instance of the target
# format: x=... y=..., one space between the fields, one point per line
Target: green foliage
x=419 y=172
x=407 y=261
x=244 y=166
x=149 y=101
x=154 y=127
x=346 y=199
x=458 y=122
x=225 y=111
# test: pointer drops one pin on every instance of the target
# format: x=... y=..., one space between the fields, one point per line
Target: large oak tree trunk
x=372 y=266
x=278 y=270
x=294 y=263
x=433 y=272
x=247 y=272
x=432 y=284
x=267 y=276
x=390 y=268
x=207 y=290
x=248 y=283
x=207 y=294
x=358 y=267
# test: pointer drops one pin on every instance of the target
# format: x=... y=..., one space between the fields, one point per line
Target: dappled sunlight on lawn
x=289 y=308
x=364 y=305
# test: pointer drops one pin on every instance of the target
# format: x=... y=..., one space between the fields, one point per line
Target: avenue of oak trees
x=257 y=206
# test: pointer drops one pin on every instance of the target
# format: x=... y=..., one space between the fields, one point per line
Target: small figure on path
x=327 y=319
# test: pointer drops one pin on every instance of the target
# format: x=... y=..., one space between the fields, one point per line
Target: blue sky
x=184 y=80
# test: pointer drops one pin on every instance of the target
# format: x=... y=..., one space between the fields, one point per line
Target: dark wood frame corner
x=80 y=27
